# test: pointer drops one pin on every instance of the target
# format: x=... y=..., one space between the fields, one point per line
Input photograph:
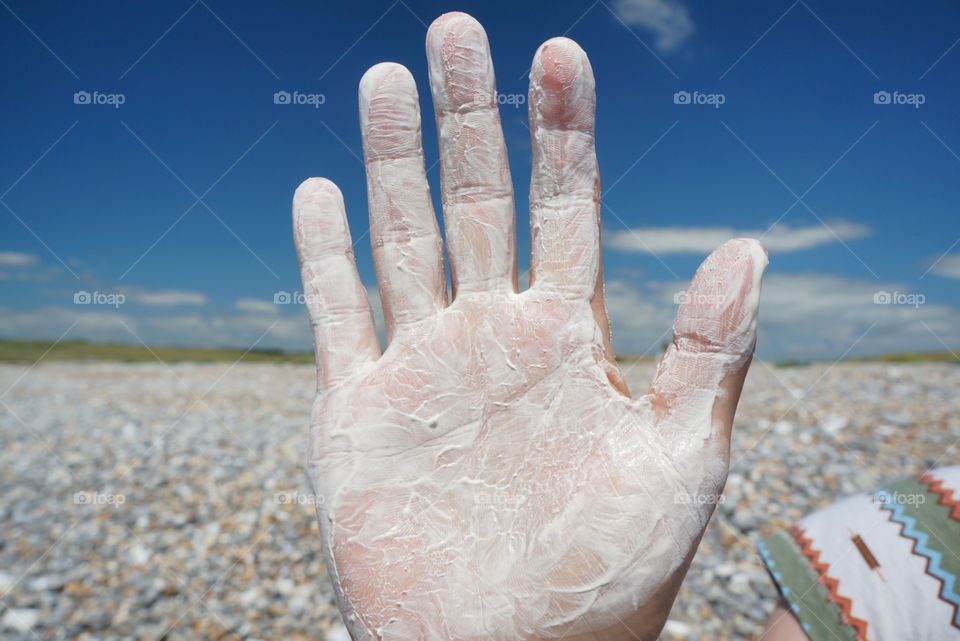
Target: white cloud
x=947 y=266
x=17 y=259
x=703 y=240
x=28 y=275
x=256 y=306
x=822 y=316
x=165 y=298
x=98 y=324
x=264 y=330
x=669 y=20
x=803 y=316
x=106 y=323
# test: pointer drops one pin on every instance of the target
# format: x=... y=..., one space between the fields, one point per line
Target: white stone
x=674 y=629
x=20 y=619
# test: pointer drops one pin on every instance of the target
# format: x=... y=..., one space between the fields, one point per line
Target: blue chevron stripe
x=921 y=538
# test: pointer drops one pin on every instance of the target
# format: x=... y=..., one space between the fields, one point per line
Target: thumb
x=700 y=376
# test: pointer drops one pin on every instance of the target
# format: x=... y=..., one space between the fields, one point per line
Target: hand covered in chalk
x=488 y=477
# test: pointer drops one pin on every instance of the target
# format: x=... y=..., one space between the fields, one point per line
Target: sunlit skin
x=488 y=476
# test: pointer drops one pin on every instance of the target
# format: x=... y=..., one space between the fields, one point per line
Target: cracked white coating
x=487 y=477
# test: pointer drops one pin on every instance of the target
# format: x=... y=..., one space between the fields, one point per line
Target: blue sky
x=177 y=200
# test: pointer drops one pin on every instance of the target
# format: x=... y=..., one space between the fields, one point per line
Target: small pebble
x=20 y=619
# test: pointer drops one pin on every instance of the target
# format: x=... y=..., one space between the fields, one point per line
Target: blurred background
x=157 y=379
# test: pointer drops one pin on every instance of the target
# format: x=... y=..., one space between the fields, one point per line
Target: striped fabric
x=880 y=566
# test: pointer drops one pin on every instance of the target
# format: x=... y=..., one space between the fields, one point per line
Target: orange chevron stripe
x=832 y=585
x=946 y=495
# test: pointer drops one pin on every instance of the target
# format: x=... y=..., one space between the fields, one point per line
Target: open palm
x=488 y=476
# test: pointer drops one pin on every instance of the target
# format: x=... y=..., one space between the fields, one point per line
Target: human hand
x=488 y=477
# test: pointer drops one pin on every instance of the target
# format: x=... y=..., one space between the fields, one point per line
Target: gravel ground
x=141 y=501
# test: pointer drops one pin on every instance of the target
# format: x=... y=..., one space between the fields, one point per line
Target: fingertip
x=382 y=75
x=458 y=57
x=319 y=221
x=754 y=246
x=448 y=22
x=389 y=112
x=737 y=259
x=452 y=30
x=718 y=312
x=562 y=87
x=561 y=54
x=562 y=42
x=313 y=190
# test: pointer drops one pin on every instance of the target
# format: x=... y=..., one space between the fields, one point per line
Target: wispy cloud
x=17 y=259
x=256 y=306
x=702 y=240
x=801 y=316
x=165 y=298
x=669 y=20
x=947 y=266
x=199 y=329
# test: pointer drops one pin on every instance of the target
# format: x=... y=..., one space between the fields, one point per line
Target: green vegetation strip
x=911 y=357
x=15 y=351
x=20 y=351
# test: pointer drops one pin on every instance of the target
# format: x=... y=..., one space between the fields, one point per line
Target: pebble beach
x=152 y=501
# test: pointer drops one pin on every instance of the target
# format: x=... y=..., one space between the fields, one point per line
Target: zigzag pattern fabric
x=877 y=566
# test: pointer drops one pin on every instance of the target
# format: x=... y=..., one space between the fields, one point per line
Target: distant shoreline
x=31 y=351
